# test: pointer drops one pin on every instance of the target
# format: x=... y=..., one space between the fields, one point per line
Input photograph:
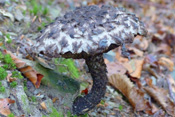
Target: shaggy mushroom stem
x=98 y=71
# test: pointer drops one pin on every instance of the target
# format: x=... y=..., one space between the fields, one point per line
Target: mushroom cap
x=87 y=31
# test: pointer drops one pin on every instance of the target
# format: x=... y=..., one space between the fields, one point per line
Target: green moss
x=68 y=66
x=11 y=115
x=1 y=56
x=120 y=107
x=8 y=60
x=13 y=84
x=17 y=74
x=23 y=98
x=5 y=66
x=3 y=73
x=33 y=99
x=25 y=88
x=55 y=113
x=2 y=89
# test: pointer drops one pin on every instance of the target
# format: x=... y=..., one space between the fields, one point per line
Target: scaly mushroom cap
x=87 y=31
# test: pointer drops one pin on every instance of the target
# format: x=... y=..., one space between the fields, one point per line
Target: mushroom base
x=98 y=71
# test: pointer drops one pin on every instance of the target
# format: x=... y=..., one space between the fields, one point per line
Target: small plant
x=9 y=41
x=120 y=107
x=3 y=73
x=55 y=113
x=1 y=56
x=2 y=89
x=17 y=74
x=45 y=11
x=102 y=102
x=13 y=84
x=33 y=98
x=8 y=60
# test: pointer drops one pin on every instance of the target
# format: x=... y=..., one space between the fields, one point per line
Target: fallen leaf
x=115 y=68
x=27 y=70
x=4 y=106
x=167 y=63
x=122 y=83
x=136 y=51
x=134 y=67
x=161 y=96
x=7 y=14
x=164 y=48
x=10 y=79
x=54 y=99
x=126 y=87
x=85 y=91
x=119 y=56
x=43 y=105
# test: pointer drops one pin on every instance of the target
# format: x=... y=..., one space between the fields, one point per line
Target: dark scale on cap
x=88 y=32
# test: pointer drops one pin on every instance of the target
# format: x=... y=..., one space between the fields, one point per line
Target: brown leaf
x=122 y=83
x=4 y=106
x=43 y=105
x=161 y=96
x=134 y=67
x=164 y=48
x=136 y=51
x=27 y=70
x=136 y=98
x=126 y=87
x=166 y=62
x=115 y=68
x=10 y=79
x=119 y=56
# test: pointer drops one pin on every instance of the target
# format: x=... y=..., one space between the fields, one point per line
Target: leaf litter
x=145 y=82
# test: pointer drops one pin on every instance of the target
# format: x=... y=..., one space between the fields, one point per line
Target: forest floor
x=140 y=87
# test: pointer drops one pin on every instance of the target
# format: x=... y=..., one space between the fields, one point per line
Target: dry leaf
x=43 y=105
x=27 y=70
x=4 y=106
x=119 y=56
x=134 y=67
x=122 y=83
x=166 y=62
x=126 y=87
x=172 y=83
x=161 y=96
x=54 y=99
x=10 y=79
x=136 y=51
x=115 y=68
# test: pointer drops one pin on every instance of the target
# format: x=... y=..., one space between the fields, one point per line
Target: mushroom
x=87 y=33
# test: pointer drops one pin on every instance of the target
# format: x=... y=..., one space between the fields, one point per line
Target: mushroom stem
x=98 y=71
